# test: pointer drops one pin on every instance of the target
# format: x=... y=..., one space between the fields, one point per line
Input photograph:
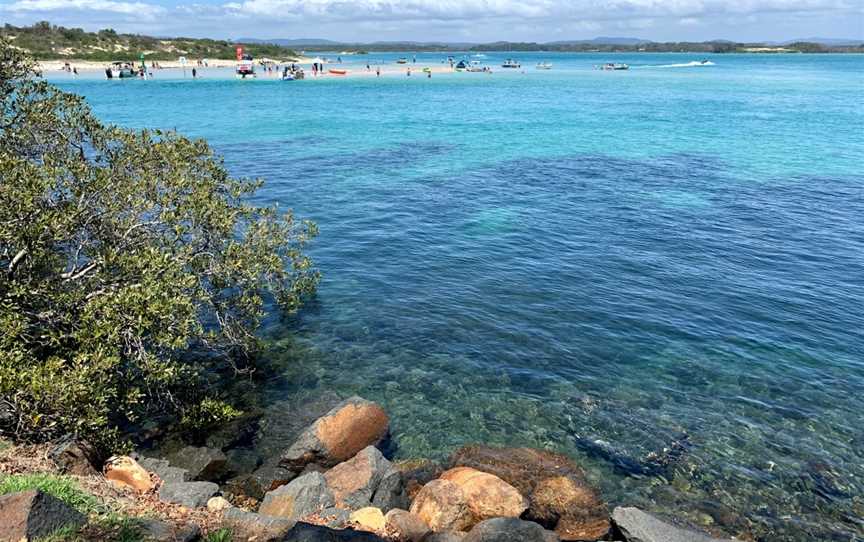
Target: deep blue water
x=607 y=264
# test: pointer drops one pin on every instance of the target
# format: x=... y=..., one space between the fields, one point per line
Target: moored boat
x=120 y=70
x=402 y=60
x=511 y=63
x=461 y=66
x=544 y=66
x=614 y=66
x=335 y=71
x=245 y=66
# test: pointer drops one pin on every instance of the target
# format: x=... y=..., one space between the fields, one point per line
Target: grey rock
x=445 y=537
x=75 y=456
x=390 y=493
x=202 y=463
x=258 y=527
x=153 y=530
x=188 y=494
x=163 y=469
x=336 y=518
x=302 y=496
x=408 y=526
x=304 y=532
x=242 y=461
x=31 y=515
x=367 y=479
x=266 y=478
x=634 y=525
x=509 y=530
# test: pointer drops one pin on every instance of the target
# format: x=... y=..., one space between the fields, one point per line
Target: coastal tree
x=131 y=265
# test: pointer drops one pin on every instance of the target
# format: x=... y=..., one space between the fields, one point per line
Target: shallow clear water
x=607 y=264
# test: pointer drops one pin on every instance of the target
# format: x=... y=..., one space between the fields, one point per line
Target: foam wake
x=694 y=64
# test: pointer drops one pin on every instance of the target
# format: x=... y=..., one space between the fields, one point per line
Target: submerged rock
x=32 y=515
x=303 y=496
x=559 y=495
x=188 y=494
x=634 y=525
x=337 y=436
x=509 y=530
x=366 y=479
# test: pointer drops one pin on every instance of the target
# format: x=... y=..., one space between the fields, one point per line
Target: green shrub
x=130 y=265
x=61 y=487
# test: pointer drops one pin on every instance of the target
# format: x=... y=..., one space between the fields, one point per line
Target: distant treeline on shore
x=45 y=41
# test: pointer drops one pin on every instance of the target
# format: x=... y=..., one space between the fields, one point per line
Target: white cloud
x=108 y=6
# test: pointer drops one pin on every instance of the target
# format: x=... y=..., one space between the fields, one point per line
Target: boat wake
x=694 y=64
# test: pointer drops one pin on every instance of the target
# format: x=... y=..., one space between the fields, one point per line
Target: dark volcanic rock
x=339 y=435
x=153 y=530
x=205 y=464
x=509 y=530
x=188 y=494
x=75 y=456
x=302 y=496
x=257 y=527
x=634 y=525
x=31 y=515
x=304 y=532
x=560 y=496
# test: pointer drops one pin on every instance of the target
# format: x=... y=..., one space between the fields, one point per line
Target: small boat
x=334 y=71
x=245 y=67
x=510 y=63
x=461 y=66
x=288 y=76
x=614 y=66
x=120 y=70
x=476 y=66
x=544 y=66
x=402 y=60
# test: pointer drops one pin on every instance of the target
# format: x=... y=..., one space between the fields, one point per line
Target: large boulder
x=265 y=478
x=75 y=456
x=509 y=530
x=406 y=525
x=163 y=469
x=634 y=525
x=305 y=532
x=442 y=505
x=207 y=464
x=366 y=479
x=305 y=495
x=559 y=495
x=486 y=495
x=126 y=472
x=248 y=526
x=339 y=435
x=188 y=494
x=368 y=519
x=31 y=515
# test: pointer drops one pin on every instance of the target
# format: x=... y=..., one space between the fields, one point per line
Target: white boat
x=544 y=66
x=510 y=63
x=402 y=60
x=245 y=67
x=614 y=67
x=476 y=66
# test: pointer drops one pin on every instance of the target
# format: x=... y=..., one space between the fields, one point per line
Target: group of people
x=69 y=68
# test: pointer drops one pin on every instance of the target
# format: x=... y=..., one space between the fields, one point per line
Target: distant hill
x=603 y=40
x=47 y=42
x=301 y=42
x=836 y=42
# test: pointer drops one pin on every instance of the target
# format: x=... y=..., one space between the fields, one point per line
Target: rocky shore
x=334 y=482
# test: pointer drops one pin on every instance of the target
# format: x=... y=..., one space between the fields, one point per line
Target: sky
x=455 y=20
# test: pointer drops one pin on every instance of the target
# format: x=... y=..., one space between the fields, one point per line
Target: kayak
x=338 y=72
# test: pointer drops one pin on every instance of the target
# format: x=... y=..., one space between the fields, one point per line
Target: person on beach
x=194 y=73
x=378 y=71
x=409 y=72
x=75 y=71
x=429 y=74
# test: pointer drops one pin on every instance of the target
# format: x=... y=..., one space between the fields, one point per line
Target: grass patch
x=222 y=535
x=61 y=487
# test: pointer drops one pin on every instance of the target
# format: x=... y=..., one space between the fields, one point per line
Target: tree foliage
x=130 y=264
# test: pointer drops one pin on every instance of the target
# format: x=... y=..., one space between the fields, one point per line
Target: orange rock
x=442 y=505
x=486 y=495
x=125 y=471
x=369 y=519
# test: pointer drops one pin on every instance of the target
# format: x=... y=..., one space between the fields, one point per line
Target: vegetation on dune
x=133 y=270
x=47 y=42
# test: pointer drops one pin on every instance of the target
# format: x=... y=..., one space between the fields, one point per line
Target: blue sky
x=455 y=20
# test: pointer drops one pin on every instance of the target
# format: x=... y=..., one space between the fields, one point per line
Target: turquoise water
x=607 y=264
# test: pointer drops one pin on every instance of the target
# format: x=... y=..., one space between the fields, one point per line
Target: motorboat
x=476 y=66
x=510 y=63
x=461 y=66
x=402 y=60
x=544 y=66
x=245 y=67
x=614 y=66
x=120 y=70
